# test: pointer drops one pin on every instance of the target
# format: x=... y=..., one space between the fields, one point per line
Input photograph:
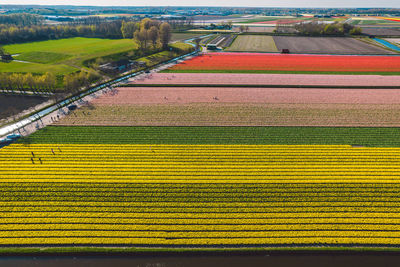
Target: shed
x=6 y=57
x=212 y=47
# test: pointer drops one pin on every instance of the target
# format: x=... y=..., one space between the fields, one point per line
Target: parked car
x=72 y=107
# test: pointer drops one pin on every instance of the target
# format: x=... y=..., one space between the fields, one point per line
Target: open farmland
x=241 y=105
x=236 y=114
x=198 y=195
x=185 y=95
x=324 y=45
x=381 y=31
x=61 y=56
x=390 y=19
x=117 y=173
x=278 y=63
x=267 y=79
x=362 y=136
x=253 y=43
x=256 y=28
x=279 y=21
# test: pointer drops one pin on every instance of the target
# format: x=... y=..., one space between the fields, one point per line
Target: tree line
x=24 y=82
x=151 y=32
x=15 y=34
x=22 y=19
x=20 y=82
x=89 y=27
x=316 y=28
x=74 y=81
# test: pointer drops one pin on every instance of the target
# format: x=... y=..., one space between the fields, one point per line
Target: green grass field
x=253 y=43
x=62 y=56
x=43 y=57
x=365 y=136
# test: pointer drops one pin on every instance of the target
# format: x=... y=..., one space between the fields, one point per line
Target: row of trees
x=316 y=28
x=146 y=31
x=19 y=82
x=16 y=34
x=22 y=19
x=152 y=32
x=46 y=83
x=74 y=81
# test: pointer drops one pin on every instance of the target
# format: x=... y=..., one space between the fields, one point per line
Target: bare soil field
x=269 y=79
x=225 y=114
x=327 y=45
x=12 y=105
x=381 y=31
x=253 y=43
x=187 y=95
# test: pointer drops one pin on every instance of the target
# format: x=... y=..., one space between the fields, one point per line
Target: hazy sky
x=255 y=3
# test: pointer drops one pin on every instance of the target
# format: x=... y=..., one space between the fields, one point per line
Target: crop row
x=155 y=227
x=221 y=241
x=205 y=208
x=389 y=201
x=337 y=188
x=199 y=235
x=270 y=196
x=216 y=135
x=23 y=216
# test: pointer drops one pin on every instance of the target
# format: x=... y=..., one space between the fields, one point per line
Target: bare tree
x=153 y=35
x=165 y=34
x=197 y=42
x=141 y=37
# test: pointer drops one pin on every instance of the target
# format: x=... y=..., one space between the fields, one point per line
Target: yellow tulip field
x=199 y=195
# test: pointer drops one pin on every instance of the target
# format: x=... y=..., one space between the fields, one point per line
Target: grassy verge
x=364 y=136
